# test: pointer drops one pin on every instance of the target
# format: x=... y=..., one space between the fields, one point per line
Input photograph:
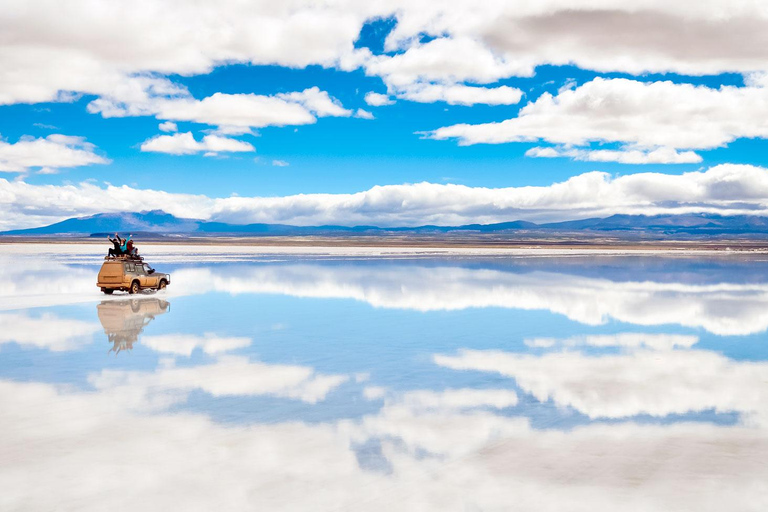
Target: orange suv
x=131 y=276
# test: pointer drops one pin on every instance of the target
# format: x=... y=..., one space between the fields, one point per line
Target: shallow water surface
x=323 y=382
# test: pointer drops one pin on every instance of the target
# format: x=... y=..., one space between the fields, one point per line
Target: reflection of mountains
x=734 y=307
x=124 y=320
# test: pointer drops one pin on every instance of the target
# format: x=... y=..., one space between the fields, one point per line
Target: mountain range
x=158 y=222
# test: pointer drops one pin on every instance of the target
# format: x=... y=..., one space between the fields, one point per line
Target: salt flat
x=377 y=379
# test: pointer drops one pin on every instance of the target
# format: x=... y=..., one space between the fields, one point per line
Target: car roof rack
x=124 y=257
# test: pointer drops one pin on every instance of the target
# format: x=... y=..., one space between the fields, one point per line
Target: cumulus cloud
x=723 y=189
x=461 y=94
x=47 y=60
x=656 y=118
x=624 y=156
x=363 y=114
x=232 y=113
x=168 y=126
x=375 y=99
x=445 y=60
x=185 y=144
x=52 y=152
x=93 y=52
x=593 y=35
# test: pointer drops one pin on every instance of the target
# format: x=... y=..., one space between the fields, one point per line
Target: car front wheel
x=162 y=285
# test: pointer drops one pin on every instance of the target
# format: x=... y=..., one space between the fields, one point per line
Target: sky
x=382 y=112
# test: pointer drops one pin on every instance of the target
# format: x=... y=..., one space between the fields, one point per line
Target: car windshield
x=148 y=269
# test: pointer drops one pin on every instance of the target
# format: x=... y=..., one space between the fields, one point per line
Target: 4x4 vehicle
x=131 y=276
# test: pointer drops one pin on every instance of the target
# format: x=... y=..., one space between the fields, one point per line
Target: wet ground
x=384 y=382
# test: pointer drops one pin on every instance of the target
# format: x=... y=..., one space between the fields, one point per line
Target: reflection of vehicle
x=131 y=276
x=124 y=320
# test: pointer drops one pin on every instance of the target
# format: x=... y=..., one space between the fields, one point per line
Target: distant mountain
x=690 y=223
x=155 y=221
x=160 y=222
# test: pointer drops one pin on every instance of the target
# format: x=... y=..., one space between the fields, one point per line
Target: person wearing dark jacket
x=116 y=242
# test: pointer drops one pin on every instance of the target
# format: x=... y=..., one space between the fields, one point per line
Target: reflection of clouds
x=624 y=340
x=728 y=308
x=86 y=449
x=459 y=399
x=228 y=376
x=44 y=331
x=28 y=283
x=725 y=308
x=640 y=382
x=185 y=344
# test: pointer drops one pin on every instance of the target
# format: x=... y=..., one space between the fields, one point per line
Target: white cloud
x=624 y=156
x=655 y=117
x=445 y=60
x=280 y=163
x=93 y=52
x=185 y=144
x=461 y=94
x=52 y=152
x=723 y=189
x=473 y=42
x=168 y=126
x=684 y=37
x=232 y=113
x=363 y=114
x=375 y=99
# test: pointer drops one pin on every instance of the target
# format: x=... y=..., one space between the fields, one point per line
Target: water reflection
x=124 y=320
x=395 y=385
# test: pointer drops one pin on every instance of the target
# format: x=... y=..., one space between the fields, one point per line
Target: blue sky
x=471 y=102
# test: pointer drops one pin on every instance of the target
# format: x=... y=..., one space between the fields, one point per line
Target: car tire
x=162 y=285
x=108 y=291
x=134 y=289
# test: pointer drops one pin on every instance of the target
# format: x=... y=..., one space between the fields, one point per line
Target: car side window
x=129 y=268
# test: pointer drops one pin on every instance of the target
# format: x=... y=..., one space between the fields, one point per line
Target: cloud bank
x=723 y=189
x=47 y=154
x=652 y=119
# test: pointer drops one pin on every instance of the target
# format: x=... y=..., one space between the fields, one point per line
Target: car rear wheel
x=162 y=285
x=134 y=288
x=108 y=291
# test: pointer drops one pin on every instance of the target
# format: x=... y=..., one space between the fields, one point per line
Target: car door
x=142 y=275
x=151 y=279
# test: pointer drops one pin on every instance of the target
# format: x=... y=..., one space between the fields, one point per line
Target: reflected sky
x=325 y=382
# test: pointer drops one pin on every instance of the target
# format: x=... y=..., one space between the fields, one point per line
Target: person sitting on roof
x=124 y=245
x=116 y=242
x=130 y=249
